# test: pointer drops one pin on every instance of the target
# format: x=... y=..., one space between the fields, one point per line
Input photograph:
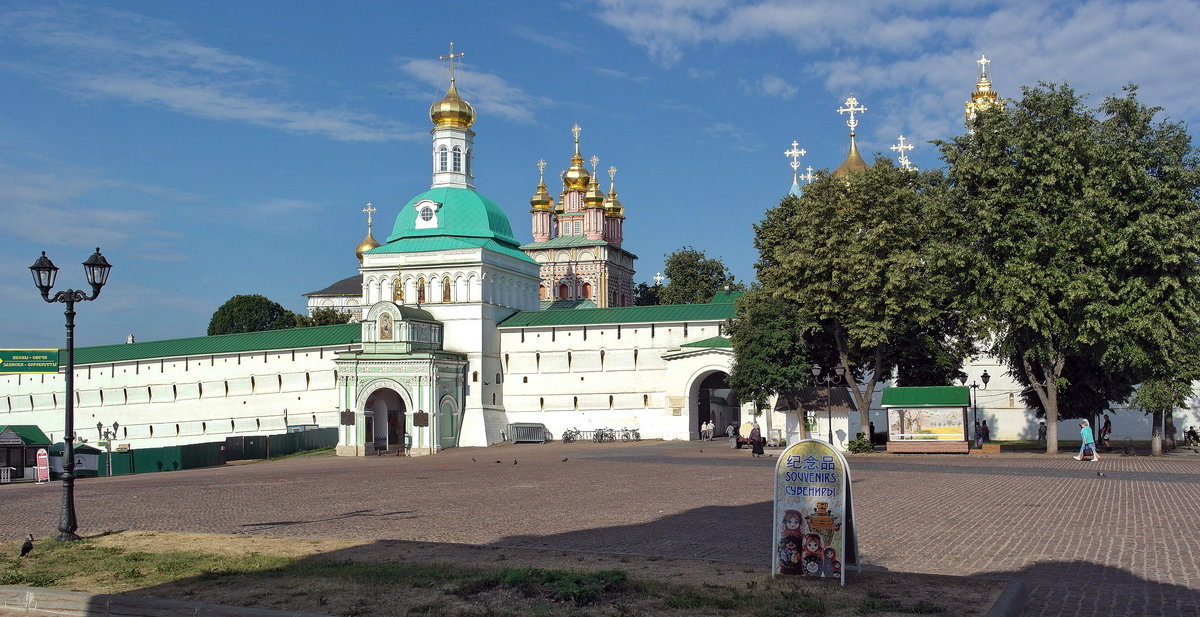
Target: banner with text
x=813 y=522
x=28 y=361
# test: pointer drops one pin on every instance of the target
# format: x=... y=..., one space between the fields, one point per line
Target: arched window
x=475 y=376
x=469 y=157
x=564 y=292
x=442 y=162
x=587 y=291
x=421 y=290
x=457 y=158
x=446 y=289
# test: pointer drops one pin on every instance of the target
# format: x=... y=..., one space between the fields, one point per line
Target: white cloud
x=776 y=86
x=97 y=52
x=486 y=92
x=913 y=61
x=546 y=40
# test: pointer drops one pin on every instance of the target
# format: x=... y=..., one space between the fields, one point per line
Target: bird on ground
x=564 y=459
x=514 y=461
x=473 y=460
x=27 y=546
x=1101 y=474
x=497 y=462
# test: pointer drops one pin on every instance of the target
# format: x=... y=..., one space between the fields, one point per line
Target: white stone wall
x=183 y=400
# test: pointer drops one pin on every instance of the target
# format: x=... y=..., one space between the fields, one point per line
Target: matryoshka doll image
x=814 y=556
x=791 y=548
x=830 y=566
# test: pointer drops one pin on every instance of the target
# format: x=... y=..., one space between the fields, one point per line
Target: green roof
x=443 y=243
x=292 y=338
x=716 y=341
x=463 y=213
x=562 y=305
x=29 y=434
x=620 y=315
x=927 y=396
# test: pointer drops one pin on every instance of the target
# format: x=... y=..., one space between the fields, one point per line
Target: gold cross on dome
x=795 y=153
x=369 y=210
x=852 y=107
x=575 y=130
x=903 y=148
x=541 y=164
x=983 y=62
x=612 y=178
x=452 y=57
x=595 y=161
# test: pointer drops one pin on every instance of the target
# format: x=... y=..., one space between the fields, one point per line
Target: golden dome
x=594 y=197
x=984 y=95
x=367 y=244
x=613 y=208
x=576 y=177
x=854 y=162
x=452 y=110
x=541 y=200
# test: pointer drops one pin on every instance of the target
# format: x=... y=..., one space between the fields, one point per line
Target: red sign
x=43 y=465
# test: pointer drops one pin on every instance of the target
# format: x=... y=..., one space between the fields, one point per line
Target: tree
x=694 y=278
x=1159 y=398
x=770 y=348
x=645 y=295
x=863 y=261
x=1083 y=238
x=323 y=316
x=250 y=313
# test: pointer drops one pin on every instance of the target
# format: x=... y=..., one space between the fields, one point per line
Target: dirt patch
x=337 y=577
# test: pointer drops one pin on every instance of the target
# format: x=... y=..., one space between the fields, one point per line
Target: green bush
x=860 y=445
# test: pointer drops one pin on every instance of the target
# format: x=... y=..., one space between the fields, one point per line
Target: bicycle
x=602 y=435
x=571 y=435
x=630 y=434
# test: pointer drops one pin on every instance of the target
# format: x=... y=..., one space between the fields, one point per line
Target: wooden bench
x=921 y=446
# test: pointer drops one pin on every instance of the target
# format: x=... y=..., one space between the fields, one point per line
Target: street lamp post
x=44 y=271
x=108 y=435
x=829 y=381
x=985 y=378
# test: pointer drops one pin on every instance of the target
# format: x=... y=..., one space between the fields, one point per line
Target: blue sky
x=221 y=148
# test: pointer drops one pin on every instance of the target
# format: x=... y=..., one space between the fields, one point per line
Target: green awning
x=927 y=396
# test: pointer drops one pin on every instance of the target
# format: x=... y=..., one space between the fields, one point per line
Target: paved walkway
x=1125 y=543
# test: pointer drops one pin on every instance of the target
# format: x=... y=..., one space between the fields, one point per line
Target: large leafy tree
x=250 y=313
x=770 y=343
x=323 y=316
x=694 y=278
x=862 y=258
x=1083 y=236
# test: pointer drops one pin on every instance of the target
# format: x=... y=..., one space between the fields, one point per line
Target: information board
x=43 y=465
x=813 y=521
x=28 y=361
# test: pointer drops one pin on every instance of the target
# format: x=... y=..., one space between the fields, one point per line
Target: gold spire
x=369 y=242
x=541 y=200
x=613 y=208
x=576 y=177
x=854 y=162
x=452 y=110
x=984 y=95
x=594 y=197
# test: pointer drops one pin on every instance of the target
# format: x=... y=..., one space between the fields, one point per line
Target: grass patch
x=254 y=572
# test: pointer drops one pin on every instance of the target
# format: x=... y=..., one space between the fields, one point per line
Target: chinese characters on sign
x=813 y=521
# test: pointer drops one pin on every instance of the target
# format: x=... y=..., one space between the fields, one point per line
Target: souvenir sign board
x=43 y=465
x=813 y=522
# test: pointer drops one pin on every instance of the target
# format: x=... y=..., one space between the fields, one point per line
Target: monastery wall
x=183 y=400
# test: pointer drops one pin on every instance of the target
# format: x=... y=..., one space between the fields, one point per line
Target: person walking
x=1088 y=442
x=987 y=432
x=1105 y=433
x=731 y=433
x=756 y=441
x=978 y=437
x=1041 y=432
x=709 y=429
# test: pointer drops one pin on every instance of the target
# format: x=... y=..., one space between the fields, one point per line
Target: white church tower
x=452 y=255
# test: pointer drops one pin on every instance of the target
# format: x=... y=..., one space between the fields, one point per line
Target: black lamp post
x=44 y=271
x=829 y=381
x=985 y=378
x=108 y=435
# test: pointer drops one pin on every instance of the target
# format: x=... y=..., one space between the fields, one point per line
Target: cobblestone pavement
x=1125 y=543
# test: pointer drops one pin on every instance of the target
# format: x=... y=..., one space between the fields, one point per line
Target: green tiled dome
x=464 y=213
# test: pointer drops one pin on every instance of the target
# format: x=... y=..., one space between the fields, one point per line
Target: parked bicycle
x=571 y=435
x=602 y=435
x=630 y=434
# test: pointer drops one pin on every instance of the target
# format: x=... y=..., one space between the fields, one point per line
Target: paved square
x=1125 y=543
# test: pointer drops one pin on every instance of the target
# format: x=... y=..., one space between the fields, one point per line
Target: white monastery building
x=461 y=331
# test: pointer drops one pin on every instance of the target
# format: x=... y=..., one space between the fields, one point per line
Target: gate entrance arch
x=713 y=400
x=386 y=425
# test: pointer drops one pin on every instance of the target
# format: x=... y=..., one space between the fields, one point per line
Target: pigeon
x=497 y=462
x=473 y=460
x=564 y=459
x=514 y=461
x=27 y=546
x=1101 y=474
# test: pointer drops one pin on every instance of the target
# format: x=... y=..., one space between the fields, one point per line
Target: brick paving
x=1122 y=544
